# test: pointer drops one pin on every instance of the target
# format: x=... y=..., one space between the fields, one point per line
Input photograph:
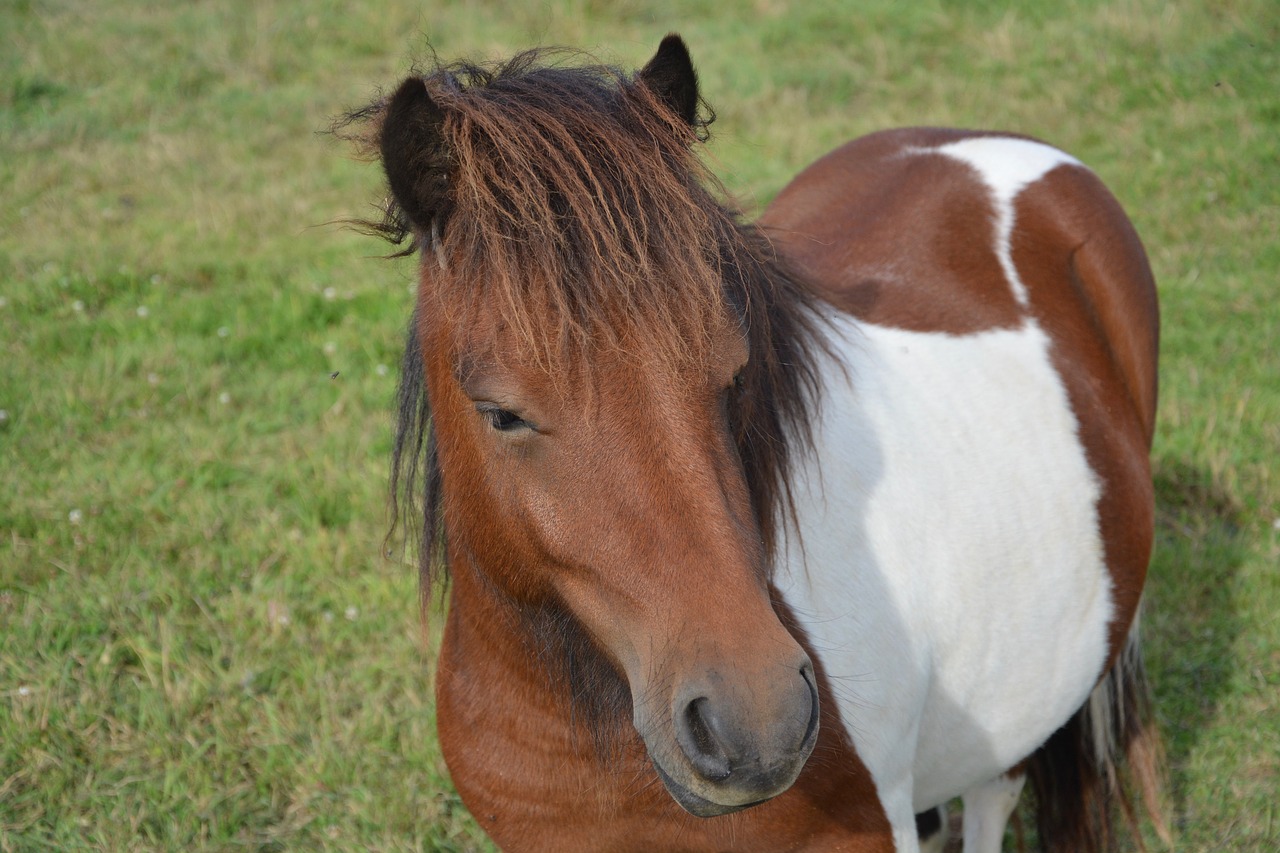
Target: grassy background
x=200 y=646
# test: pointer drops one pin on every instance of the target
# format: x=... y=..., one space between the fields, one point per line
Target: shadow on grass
x=1191 y=621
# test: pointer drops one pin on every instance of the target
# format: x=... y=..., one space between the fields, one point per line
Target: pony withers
x=774 y=535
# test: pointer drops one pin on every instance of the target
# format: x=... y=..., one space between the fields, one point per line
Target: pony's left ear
x=671 y=77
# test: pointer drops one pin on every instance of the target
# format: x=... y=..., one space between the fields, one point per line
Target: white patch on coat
x=1007 y=166
x=949 y=569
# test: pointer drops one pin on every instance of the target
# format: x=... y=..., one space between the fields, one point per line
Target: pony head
x=605 y=373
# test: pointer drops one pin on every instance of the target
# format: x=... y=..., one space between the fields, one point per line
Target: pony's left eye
x=503 y=420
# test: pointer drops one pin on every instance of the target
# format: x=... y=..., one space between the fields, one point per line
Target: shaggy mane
x=573 y=201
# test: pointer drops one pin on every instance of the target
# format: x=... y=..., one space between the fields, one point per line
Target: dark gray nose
x=745 y=746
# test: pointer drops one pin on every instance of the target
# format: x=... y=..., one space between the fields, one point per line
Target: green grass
x=200 y=644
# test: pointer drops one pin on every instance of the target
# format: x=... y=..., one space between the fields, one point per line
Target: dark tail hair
x=1105 y=754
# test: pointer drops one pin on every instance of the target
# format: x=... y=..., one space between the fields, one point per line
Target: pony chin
x=696 y=805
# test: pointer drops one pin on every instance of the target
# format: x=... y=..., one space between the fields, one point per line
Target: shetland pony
x=774 y=535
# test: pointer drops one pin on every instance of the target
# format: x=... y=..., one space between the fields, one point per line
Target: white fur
x=1007 y=166
x=986 y=811
x=949 y=567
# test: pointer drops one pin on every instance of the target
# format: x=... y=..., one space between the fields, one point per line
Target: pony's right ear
x=413 y=153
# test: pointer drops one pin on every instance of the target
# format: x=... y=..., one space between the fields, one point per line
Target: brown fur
x=574 y=195
x=568 y=233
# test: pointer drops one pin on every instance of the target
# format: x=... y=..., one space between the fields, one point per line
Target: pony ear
x=413 y=152
x=671 y=77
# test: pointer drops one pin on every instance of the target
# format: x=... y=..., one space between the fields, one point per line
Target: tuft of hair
x=566 y=196
x=571 y=200
x=1095 y=764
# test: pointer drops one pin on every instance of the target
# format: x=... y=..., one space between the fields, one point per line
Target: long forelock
x=578 y=211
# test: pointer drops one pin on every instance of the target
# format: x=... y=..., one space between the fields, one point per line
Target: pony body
x=767 y=537
x=953 y=554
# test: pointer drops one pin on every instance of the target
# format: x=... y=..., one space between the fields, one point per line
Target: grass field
x=201 y=646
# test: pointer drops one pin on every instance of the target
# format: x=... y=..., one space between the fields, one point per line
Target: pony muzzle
x=730 y=754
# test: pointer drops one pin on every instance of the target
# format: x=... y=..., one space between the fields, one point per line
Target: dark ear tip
x=410 y=144
x=672 y=43
x=411 y=90
x=407 y=113
x=671 y=75
x=673 y=52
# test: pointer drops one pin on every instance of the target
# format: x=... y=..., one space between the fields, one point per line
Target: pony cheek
x=483 y=529
x=527 y=544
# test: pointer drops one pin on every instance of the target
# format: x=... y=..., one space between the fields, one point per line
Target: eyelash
x=503 y=420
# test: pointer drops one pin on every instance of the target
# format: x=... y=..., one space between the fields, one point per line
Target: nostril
x=811 y=731
x=698 y=739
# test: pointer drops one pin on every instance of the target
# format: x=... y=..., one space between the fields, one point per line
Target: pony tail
x=1108 y=751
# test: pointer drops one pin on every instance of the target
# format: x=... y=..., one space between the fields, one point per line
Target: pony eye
x=503 y=420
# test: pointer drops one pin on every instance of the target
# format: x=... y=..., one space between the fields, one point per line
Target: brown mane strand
x=573 y=200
